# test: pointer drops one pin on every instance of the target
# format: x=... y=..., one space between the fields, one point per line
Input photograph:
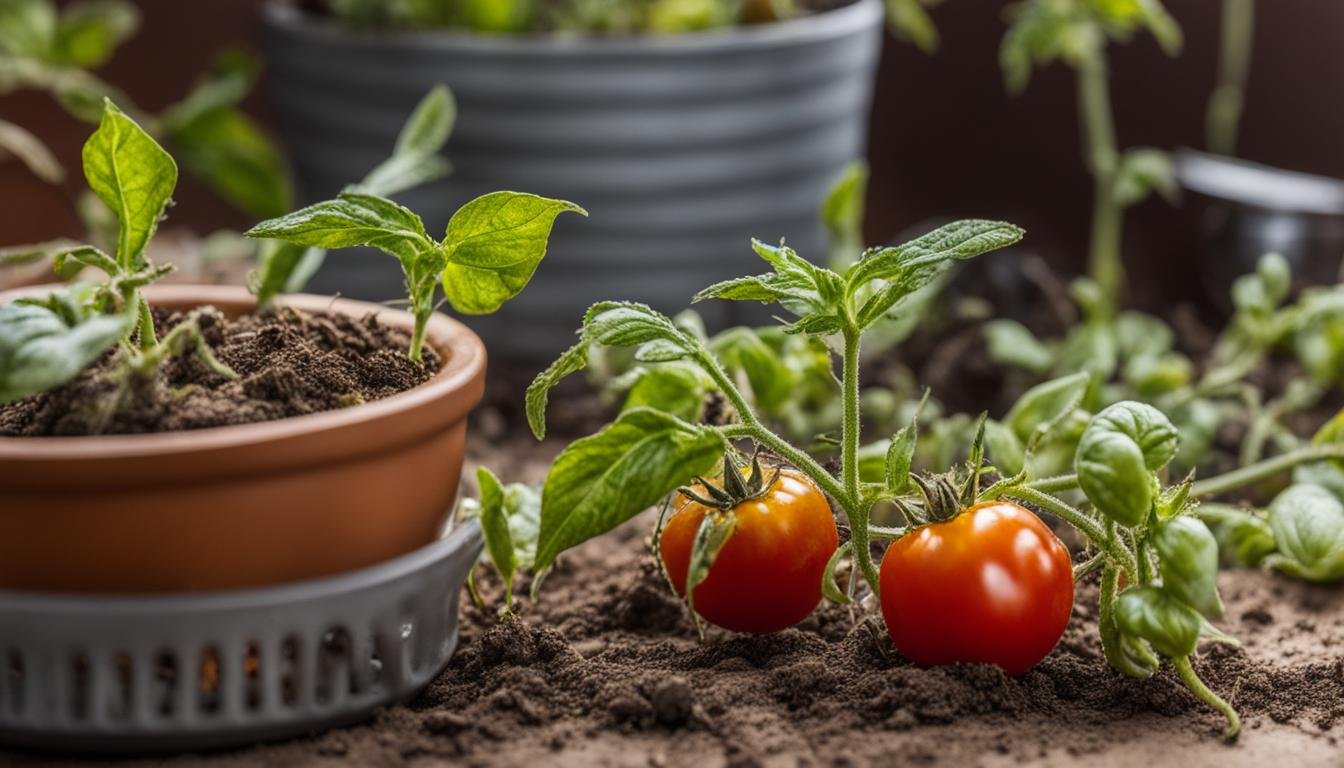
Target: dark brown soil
x=606 y=670
x=289 y=364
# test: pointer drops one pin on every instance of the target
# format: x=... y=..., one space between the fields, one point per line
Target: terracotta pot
x=242 y=505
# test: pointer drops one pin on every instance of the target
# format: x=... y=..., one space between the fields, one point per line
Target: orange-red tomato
x=767 y=577
x=992 y=585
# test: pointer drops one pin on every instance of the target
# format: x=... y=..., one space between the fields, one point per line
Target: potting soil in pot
x=289 y=363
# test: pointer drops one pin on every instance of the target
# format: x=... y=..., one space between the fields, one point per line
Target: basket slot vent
x=364 y=665
x=209 y=675
x=12 y=692
x=290 y=672
x=72 y=688
x=335 y=667
x=252 y=689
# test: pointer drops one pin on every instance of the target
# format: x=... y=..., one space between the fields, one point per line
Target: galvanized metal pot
x=681 y=148
x=1247 y=210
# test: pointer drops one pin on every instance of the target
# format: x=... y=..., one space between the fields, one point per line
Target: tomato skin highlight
x=767 y=577
x=991 y=585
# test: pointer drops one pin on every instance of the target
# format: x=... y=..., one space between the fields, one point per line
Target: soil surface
x=606 y=670
x=289 y=363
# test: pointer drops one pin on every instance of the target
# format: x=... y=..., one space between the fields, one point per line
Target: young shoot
x=1077 y=32
x=284 y=267
x=50 y=341
x=493 y=245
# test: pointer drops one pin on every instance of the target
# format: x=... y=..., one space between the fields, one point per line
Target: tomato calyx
x=735 y=488
x=942 y=499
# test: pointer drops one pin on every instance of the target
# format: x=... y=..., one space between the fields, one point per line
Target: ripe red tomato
x=767 y=577
x=992 y=585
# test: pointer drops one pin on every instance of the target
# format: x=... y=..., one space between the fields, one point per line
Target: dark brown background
x=946 y=139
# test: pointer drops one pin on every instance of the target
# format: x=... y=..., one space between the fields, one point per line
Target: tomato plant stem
x=1054 y=484
x=751 y=427
x=1234 y=64
x=849 y=459
x=1197 y=687
x=1262 y=470
x=416 y=352
x=1101 y=156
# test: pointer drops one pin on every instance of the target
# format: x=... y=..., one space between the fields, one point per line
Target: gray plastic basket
x=187 y=672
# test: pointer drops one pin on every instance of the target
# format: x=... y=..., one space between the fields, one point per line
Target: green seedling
x=1077 y=33
x=493 y=245
x=45 y=343
x=284 y=267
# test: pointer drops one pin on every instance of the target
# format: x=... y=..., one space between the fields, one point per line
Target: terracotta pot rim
x=462 y=352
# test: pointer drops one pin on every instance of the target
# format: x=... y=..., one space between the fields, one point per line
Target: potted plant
x=737 y=129
x=191 y=437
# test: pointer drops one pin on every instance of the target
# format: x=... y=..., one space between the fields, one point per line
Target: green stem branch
x=1202 y=691
x=1266 y=469
x=1234 y=65
x=1102 y=158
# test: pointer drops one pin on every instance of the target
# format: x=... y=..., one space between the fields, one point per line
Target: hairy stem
x=1054 y=484
x=1234 y=65
x=751 y=427
x=1102 y=158
x=1202 y=691
x=1263 y=470
x=1110 y=633
x=849 y=460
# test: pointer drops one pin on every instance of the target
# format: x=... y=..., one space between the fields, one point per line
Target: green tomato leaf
x=430 y=124
x=495 y=525
x=28 y=28
x=1142 y=335
x=494 y=244
x=842 y=212
x=1045 y=403
x=231 y=154
x=1150 y=614
x=133 y=176
x=804 y=289
x=601 y=481
x=959 y=240
x=1117 y=455
x=1188 y=559
x=416 y=159
x=1004 y=448
x=673 y=388
x=352 y=219
x=1141 y=172
x=283 y=268
x=908 y=21
x=574 y=359
x=44 y=344
x=1009 y=342
x=1308 y=525
x=1244 y=538
x=742 y=350
x=88 y=32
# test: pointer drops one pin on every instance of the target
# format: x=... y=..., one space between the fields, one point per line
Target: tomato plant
x=992 y=584
x=768 y=538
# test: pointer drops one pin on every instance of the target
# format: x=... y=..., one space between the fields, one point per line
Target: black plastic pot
x=1247 y=210
x=682 y=148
